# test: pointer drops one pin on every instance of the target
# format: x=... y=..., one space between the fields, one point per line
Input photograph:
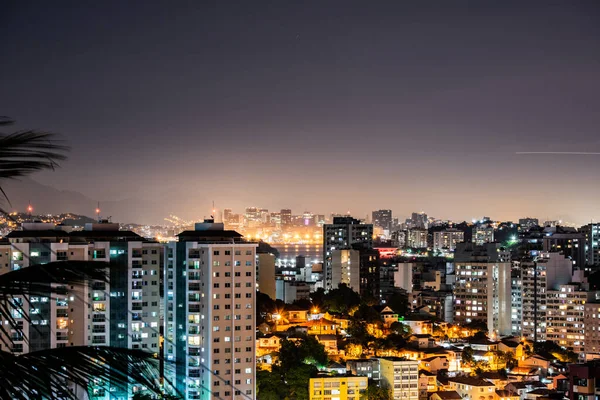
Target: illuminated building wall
x=210 y=325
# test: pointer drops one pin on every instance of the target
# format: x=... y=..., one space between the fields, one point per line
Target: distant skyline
x=317 y=105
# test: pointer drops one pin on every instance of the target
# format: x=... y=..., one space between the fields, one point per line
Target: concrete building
x=592 y=245
x=584 y=380
x=416 y=238
x=516 y=294
x=265 y=274
x=565 y=310
x=290 y=291
x=447 y=239
x=547 y=271
x=343 y=234
x=345 y=268
x=382 y=219
x=403 y=276
x=125 y=313
x=591 y=322
x=340 y=387
x=483 y=286
x=472 y=388
x=527 y=223
x=285 y=216
x=483 y=233
x=401 y=376
x=210 y=317
x=567 y=241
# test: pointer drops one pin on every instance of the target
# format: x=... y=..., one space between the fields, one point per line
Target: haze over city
x=328 y=108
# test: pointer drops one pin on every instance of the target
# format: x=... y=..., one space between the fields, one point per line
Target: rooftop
x=448 y=395
x=470 y=381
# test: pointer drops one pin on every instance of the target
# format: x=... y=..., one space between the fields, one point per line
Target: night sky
x=322 y=106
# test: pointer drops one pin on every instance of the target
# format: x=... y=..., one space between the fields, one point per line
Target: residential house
x=322 y=327
x=506 y=395
x=536 y=361
x=368 y=367
x=524 y=387
x=388 y=316
x=427 y=383
x=295 y=314
x=421 y=341
x=471 y=388
x=329 y=342
x=445 y=395
x=434 y=364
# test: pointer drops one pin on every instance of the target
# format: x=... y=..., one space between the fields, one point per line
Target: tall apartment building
x=345 y=268
x=516 y=294
x=369 y=273
x=592 y=244
x=527 y=223
x=447 y=239
x=483 y=286
x=285 y=215
x=567 y=241
x=210 y=318
x=416 y=238
x=591 y=322
x=419 y=220
x=265 y=274
x=483 y=233
x=343 y=234
x=565 y=316
x=124 y=313
x=401 y=376
x=546 y=272
x=382 y=219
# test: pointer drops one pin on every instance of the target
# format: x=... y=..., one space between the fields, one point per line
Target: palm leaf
x=37 y=280
x=44 y=374
x=24 y=152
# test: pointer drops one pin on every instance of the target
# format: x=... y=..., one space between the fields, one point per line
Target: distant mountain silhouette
x=48 y=200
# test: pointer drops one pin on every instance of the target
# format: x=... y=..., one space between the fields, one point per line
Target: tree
x=398 y=302
x=46 y=373
x=401 y=329
x=353 y=350
x=367 y=314
x=467 y=355
x=308 y=350
x=340 y=300
x=375 y=392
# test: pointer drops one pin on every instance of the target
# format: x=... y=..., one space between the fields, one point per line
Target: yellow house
x=338 y=387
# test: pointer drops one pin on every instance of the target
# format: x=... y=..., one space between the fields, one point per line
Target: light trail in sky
x=572 y=153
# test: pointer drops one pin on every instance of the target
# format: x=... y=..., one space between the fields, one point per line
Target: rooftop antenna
x=98 y=213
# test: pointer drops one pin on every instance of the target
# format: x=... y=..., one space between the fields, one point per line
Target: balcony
x=62 y=337
x=98 y=318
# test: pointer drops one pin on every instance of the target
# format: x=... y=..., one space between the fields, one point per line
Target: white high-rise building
x=483 y=286
x=401 y=376
x=447 y=239
x=210 y=327
x=565 y=313
x=124 y=313
x=345 y=268
x=343 y=234
x=553 y=270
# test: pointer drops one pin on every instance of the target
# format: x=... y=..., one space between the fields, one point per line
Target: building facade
x=483 y=286
x=209 y=313
x=401 y=376
x=447 y=239
x=124 y=313
x=343 y=234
